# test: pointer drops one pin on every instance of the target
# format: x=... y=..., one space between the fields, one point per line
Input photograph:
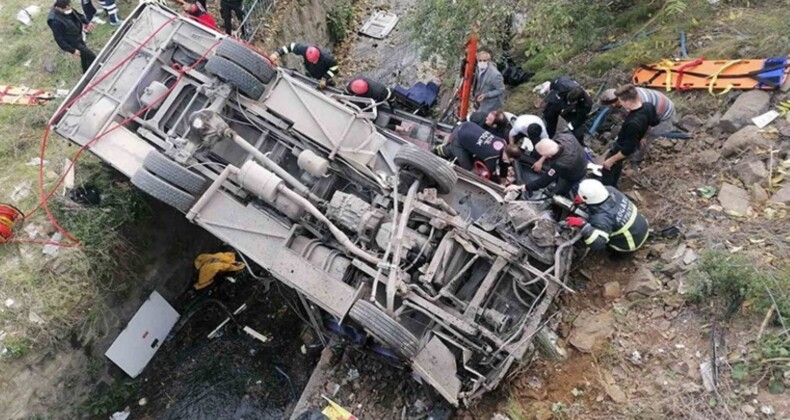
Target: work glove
x=574 y=221
x=322 y=84
x=578 y=200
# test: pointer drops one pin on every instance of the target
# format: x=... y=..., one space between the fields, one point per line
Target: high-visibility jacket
x=326 y=67
x=617 y=223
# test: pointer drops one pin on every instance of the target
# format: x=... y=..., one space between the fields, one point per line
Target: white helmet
x=547 y=147
x=592 y=191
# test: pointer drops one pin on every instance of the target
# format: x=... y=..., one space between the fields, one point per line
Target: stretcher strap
x=716 y=76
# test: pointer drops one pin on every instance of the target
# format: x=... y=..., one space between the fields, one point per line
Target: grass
x=69 y=291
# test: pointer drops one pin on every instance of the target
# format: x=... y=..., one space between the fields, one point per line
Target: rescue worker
x=529 y=126
x=198 y=12
x=613 y=219
x=319 y=63
x=495 y=122
x=226 y=10
x=640 y=118
x=567 y=99
x=67 y=26
x=665 y=108
x=475 y=149
x=368 y=88
x=567 y=161
x=489 y=91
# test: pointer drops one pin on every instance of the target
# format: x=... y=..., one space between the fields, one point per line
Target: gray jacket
x=490 y=84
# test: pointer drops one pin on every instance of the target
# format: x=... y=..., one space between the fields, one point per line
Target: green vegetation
x=339 y=21
x=727 y=281
x=109 y=399
x=17 y=347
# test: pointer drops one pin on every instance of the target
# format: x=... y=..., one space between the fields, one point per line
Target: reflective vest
x=617 y=223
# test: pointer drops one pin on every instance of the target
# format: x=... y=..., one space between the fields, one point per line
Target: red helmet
x=312 y=54
x=359 y=87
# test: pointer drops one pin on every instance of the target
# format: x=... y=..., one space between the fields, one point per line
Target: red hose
x=46 y=196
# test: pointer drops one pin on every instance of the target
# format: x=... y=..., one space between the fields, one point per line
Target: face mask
x=482 y=65
x=67 y=12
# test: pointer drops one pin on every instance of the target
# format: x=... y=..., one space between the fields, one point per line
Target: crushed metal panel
x=142 y=337
x=436 y=365
x=379 y=25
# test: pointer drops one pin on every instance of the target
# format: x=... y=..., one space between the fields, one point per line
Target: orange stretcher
x=20 y=95
x=714 y=75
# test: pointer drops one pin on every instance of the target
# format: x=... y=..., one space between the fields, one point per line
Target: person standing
x=226 y=10
x=567 y=99
x=641 y=116
x=489 y=92
x=111 y=8
x=319 y=63
x=67 y=28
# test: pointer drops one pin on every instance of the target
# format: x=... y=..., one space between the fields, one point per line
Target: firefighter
x=368 y=88
x=319 y=63
x=567 y=99
x=475 y=149
x=613 y=220
x=567 y=161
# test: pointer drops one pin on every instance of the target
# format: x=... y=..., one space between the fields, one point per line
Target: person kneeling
x=613 y=220
x=568 y=165
x=477 y=150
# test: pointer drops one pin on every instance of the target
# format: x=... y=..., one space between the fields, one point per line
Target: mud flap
x=436 y=365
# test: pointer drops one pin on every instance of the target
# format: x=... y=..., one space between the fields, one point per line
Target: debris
x=751 y=172
x=26 y=15
x=335 y=412
x=767 y=410
x=611 y=290
x=680 y=346
x=142 y=402
x=744 y=139
x=35 y=318
x=85 y=195
x=238 y=310
x=9 y=303
x=734 y=200
x=68 y=179
x=255 y=334
x=689 y=257
x=51 y=249
x=707 y=191
x=379 y=25
x=352 y=375
x=763 y=120
x=121 y=415
x=21 y=191
x=23 y=95
x=36 y=161
x=576 y=392
x=137 y=344
x=748 y=105
x=210 y=265
x=643 y=283
x=706 y=371
x=612 y=389
x=590 y=329
x=782 y=196
x=748 y=410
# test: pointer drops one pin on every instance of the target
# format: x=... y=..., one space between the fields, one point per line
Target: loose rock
x=744 y=139
x=782 y=196
x=759 y=195
x=734 y=200
x=611 y=290
x=751 y=172
x=708 y=157
x=590 y=329
x=644 y=283
x=748 y=410
x=748 y=105
x=690 y=123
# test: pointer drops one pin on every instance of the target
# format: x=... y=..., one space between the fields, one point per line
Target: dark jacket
x=499 y=130
x=556 y=105
x=67 y=29
x=634 y=128
x=483 y=146
x=376 y=91
x=570 y=163
x=325 y=68
x=615 y=222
